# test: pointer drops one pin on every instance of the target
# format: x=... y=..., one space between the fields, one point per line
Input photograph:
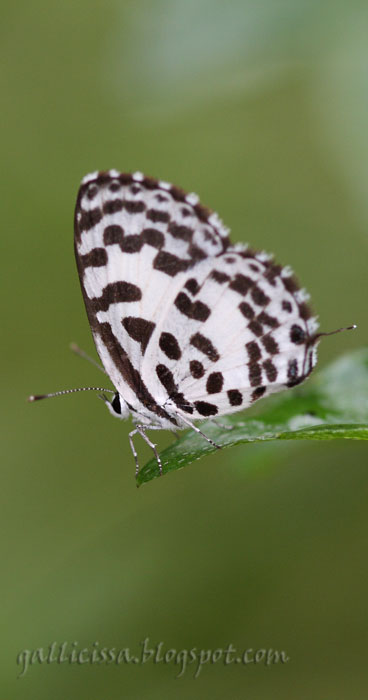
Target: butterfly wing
x=238 y=329
x=136 y=241
x=185 y=324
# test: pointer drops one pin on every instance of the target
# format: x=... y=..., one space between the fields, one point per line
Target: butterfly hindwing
x=232 y=334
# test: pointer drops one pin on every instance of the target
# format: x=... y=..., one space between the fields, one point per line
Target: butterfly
x=187 y=325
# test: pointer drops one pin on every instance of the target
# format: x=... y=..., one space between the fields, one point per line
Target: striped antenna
x=339 y=330
x=38 y=397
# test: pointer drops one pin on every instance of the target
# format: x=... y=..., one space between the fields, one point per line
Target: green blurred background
x=262 y=108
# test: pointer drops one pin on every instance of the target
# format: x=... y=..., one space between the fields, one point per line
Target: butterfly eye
x=115 y=403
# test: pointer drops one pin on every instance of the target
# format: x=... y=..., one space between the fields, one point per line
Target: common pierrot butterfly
x=187 y=325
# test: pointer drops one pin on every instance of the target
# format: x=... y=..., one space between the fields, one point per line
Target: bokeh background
x=262 y=108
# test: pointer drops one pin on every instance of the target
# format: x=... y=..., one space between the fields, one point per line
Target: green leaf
x=333 y=404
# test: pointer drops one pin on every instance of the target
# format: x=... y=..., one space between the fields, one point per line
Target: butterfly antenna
x=77 y=350
x=339 y=330
x=38 y=397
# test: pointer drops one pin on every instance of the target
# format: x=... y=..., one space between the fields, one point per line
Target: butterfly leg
x=222 y=425
x=145 y=437
x=197 y=430
x=134 y=432
x=142 y=432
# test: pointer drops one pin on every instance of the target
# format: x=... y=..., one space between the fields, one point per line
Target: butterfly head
x=117 y=407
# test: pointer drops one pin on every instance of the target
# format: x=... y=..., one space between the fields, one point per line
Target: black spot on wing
x=156 y=215
x=170 y=264
x=170 y=346
x=113 y=234
x=247 y=310
x=270 y=344
x=235 y=397
x=272 y=273
x=114 y=293
x=206 y=409
x=259 y=297
x=270 y=370
x=97 y=257
x=92 y=192
x=182 y=402
x=184 y=233
x=196 y=369
x=304 y=311
x=192 y=286
x=267 y=320
x=290 y=283
x=253 y=350
x=257 y=393
x=153 y=237
x=115 y=186
x=255 y=373
x=205 y=346
x=131 y=244
x=219 y=277
x=196 y=253
x=255 y=327
x=256 y=267
x=135 y=189
x=166 y=378
x=88 y=220
x=241 y=284
x=134 y=207
x=139 y=329
x=112 y=206
x=297 y=334
x=196 y=310
x=214 y=383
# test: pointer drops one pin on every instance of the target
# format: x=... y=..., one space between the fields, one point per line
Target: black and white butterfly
x=188 y=326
